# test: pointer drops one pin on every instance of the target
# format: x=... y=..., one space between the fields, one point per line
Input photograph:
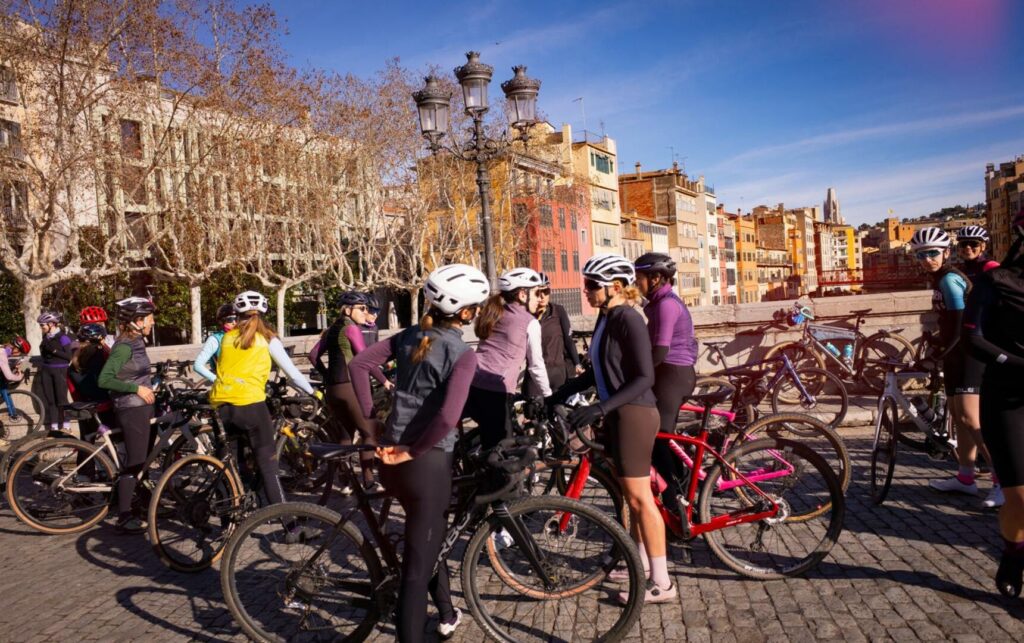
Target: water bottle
x=848 y=353
x=924 y=411
x=832 y=348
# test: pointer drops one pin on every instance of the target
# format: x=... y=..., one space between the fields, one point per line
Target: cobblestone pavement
x=918 y=568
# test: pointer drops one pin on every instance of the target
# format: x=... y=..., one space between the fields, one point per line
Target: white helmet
x=250 y=300
x=969 y=232
x=519 y=278
x=453 y=287
x=606 y=268
x=929 y=238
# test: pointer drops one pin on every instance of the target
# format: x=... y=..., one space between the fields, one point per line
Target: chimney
x=638 y=170
x=675 y=166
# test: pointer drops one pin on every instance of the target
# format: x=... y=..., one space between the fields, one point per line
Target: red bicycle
x=769 y=508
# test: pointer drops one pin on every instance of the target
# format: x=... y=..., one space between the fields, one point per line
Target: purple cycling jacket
x=669 y=324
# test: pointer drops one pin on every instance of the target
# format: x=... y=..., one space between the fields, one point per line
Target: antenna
x=602 y=128
x=583 y=110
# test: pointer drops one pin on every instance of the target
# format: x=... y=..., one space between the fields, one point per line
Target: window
x=10 y=139
x=561 y=218
x=712 y=229
x=545 y=216
x=133 y=184
x=575 y=261
x=565 y=261
x=519 y=212
x=131 y=139
x=602 y=198
x=572 y=220
x=8 y=86
x=602 y=163
x=547 y=260
x=13 y=200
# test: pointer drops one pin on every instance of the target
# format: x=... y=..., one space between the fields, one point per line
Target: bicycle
x=522 y=560
x=22 y=415
x=748 y=484
x=931 y=419
x=859 y=359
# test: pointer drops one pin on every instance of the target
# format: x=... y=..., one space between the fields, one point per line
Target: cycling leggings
x=1002 y=427
x=53 y=388
x=672 y=385
x=254 y=420
x=492 y=412
x=346 y=419
x=138 y=441
x=423 y=486
x=628 y=435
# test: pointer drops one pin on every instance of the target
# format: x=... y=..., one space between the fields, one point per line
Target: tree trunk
x=280 y=309
x=196 y=299
x=414 y=306
x=31 y=305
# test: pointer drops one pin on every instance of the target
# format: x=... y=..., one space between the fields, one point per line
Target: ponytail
x=248 y=327
x=490 y=314
x=426 y=323
x=632 y=294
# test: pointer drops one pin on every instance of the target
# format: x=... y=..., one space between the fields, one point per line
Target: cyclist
x=96 y=315
x=622 y=371
x=675 y=350
x=343 y=341
x=508 y=334
x=16 y=349
x=247 y=353
x=559 y=350
x=55 y=347
x=931 y=247
x=992 y=322
x=369 y=329
x=84 y=374
x=126 y=376
x=227 y=320
x=435 y=369
x=971 y=242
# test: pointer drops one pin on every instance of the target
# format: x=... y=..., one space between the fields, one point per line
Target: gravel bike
x=299 y=571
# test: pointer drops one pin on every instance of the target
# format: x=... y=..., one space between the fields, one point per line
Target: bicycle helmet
x=225 y=311
x=454 y=287
x=929 y=238
x=519 y=278
x=250 y=300
x=48 y=317
x=92 y=315
x=975 y=232
x=22 y=344
x=372 y=302
x=92 y=333
x=131 y=308
x=658 y=263
x=352 y=298
x=544 y=280
x=606 y=268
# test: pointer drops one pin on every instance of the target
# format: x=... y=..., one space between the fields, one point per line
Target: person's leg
x=135 y=429
x=352 y=417
x=490 y=410
x=966 y=452
x=6 y=394
x=672 y=385
x=340 y=431
x=60 y=387
x=260 y=428
x=1002 y=421
x=51 y=414
x=440 y=586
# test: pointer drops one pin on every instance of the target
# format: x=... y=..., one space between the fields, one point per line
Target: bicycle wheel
x=799 y=481
x=826 y=398
x=24 y=417
x=510 y=603
x=276 y=592
x=16 y=448
x=199 y=443
x=876 y=356
x=883 y=451
x=601 y=490
x=194 y=508
x=801 y=355
x=49 y=491
x=810 y=432
x=300 y=470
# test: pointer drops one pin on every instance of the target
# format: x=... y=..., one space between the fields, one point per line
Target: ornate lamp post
x=433 y=104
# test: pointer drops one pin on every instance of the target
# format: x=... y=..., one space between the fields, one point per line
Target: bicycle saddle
x=721 y=342
x=329 y=451
x=862 y=311
x=711 y=398
x=81 y=407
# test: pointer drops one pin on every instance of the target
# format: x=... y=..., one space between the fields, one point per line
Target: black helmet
x=130 y=309
x=225 y=311
x=92 y=333
x=352 y=298
x=657 y=262
x=371 y=301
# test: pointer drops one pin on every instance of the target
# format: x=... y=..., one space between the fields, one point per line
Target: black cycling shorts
x=1002 y=427
x=971 y=373
x=953 y=372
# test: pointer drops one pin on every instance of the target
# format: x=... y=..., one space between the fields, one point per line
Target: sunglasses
x=373 y=311
x=591 y=285
x=361 y=307
x=229 y=320
x=927 y=254
x=544 y=291
x=968 y=244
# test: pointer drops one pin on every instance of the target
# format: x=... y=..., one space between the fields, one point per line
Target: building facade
x=1003 y=189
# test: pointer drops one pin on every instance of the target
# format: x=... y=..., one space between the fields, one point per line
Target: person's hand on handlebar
x=585 y=415
x=394 y=455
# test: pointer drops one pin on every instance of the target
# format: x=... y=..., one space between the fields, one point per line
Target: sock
x=659 y=572
x=644 y=559
x=966 y=474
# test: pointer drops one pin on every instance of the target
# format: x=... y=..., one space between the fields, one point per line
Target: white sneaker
x=445 y=630
x=502 y=539
x=994 y=498
x=953 y=485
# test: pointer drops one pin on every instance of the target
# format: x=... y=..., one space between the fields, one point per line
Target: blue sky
x=896 y=103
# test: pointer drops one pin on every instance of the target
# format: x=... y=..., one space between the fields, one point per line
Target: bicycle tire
x=800 y=354
x=181 y=446
x=802 y=428
x=826 y=389
x=605 y=485
x=30 y=475
x=883 y=451
x=299 y=470
x=28 y=408
x=304 y=513
x=18 y=447
x=882 y=348
x=524 y=585
x=727 y=542
x=171 y=501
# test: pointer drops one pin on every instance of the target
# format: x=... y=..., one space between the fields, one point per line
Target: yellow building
x=746 y=258
x=1003 y=196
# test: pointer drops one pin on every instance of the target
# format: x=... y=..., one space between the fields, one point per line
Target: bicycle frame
x=895 y=393
x=755 y=374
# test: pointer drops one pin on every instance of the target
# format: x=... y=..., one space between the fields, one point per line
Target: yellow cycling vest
x=241 y=373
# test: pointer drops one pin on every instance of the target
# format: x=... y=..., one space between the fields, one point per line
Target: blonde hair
x=250 y=325
x=632 y=294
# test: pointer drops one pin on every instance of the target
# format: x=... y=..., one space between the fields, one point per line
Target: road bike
x=299 y=571
x=21 y=414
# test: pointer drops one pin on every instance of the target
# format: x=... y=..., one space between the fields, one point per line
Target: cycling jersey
x=85 y=379
x=242 y=373
x=126 y=370
x=55 y=347
x=515 y=338
x=557 y=348
x=341 y=343
x=670 y=325
x=974 y=268
x=209 y=352
x=7 y=374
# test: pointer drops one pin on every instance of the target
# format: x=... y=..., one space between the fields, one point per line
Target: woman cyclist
x=343 y=341
x=993 y=326
x=96 y=315
x=55 y=347
x=84 y=375
x=435 y=369
x=227 y=320
x=126 y=376
x=508 y=334
x=675 y=349
x=561 y=359
x=622 y=371
x=931 y=247
x=11 y=373
x=247 y=354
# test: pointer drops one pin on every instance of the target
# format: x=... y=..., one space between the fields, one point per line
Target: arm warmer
x=535 y=358
x=358 y=342
x=450 y=413
x=120 y=356
x=363 y=365
x=206 y=354
x=575 y=385
x=317 y=357
x=570 y=346
x=5 y=367
x=280 y=357
x=660 y=353
x=631 y=333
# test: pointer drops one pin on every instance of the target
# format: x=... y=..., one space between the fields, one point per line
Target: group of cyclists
x=642 y=367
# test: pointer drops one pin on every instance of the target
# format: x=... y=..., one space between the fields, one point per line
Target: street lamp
x=433 y=102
